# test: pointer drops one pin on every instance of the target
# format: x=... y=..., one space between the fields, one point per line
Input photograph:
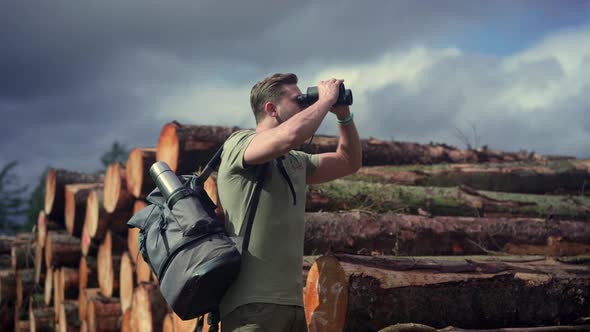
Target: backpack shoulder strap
x=253 y=205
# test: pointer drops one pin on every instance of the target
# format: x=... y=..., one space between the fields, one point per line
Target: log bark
x=7 y=312
x=148 y=309
x=45 y=224
x=40 y=267
x=457 y=201
x=563 y=176
x=400 y=234
x=23 y=255
x=69 y=282
x=84 y=298
x=62 y=249
x=109 y=262
x=126 y=282
x=25 y=284
x=75 y=209
x=68 y=320
x=88 y=273
x=133 y=233
x=22 y=326
x=55 y=183
x=116 y=197
x=412 y=327
x=48 y=289
x=41 y=318
x=468 y=291
x=186 y=147
x=98 y=220
x=104 y=314
x=7 y=286
x=139 y=181
x=6 y=244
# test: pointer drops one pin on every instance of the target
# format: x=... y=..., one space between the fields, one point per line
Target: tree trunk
x=563 y=176
x=457 y=201
x=68 y=320
x=7 y=286
x=126 y=281
x=116 y=197
x=186 y=147
x=75 y=210
x=55 y=184
x=148 y=309
x=25 y=283
x=104 y=314
x=139 y=181
x=98 y=220
x=399 y=234
x=42 y=319
x=109 y=262
x=62 y=249
x=23 y=255
x=469 y=291
x=84 y=298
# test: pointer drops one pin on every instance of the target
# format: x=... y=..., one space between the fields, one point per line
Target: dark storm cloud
x=76 y=76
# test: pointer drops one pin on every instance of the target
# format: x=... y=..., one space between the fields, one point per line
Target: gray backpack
x=187 y=248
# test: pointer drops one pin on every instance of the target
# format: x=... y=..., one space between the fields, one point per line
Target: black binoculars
x=344 y=96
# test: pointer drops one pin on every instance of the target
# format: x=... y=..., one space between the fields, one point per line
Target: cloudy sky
x=75 y=76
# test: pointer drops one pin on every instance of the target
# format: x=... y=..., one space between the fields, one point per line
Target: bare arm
x=348 y=156
x=272 y=143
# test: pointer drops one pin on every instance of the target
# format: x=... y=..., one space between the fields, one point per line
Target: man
x=267 y=295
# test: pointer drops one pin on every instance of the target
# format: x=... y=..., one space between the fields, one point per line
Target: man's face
x=288 y=106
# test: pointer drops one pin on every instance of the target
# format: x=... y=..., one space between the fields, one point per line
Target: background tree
x=118 y=153
x=12 y=203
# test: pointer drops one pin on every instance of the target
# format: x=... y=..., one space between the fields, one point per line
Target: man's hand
x=341 y=111
x=328 y=90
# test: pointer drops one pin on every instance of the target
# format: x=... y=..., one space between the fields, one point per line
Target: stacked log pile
x=423 y=236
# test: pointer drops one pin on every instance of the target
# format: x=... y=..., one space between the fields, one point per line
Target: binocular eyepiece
x=312 y=95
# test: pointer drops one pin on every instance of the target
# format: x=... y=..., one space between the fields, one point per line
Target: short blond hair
x=269 y=89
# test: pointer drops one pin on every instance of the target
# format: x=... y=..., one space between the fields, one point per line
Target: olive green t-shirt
x=272 y=265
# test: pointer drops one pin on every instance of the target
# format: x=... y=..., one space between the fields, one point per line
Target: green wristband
x=347 y=120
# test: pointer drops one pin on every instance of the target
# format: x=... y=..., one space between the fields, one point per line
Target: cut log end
x=116 y=196
x=326 y=295
x=149 y=308
x=92 y=211
x=49 y=191
x=126 y=283
x=139 y=181
x=168 y=146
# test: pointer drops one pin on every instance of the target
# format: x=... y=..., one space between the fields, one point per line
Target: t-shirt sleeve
x=234 y=149
x=312 y=161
